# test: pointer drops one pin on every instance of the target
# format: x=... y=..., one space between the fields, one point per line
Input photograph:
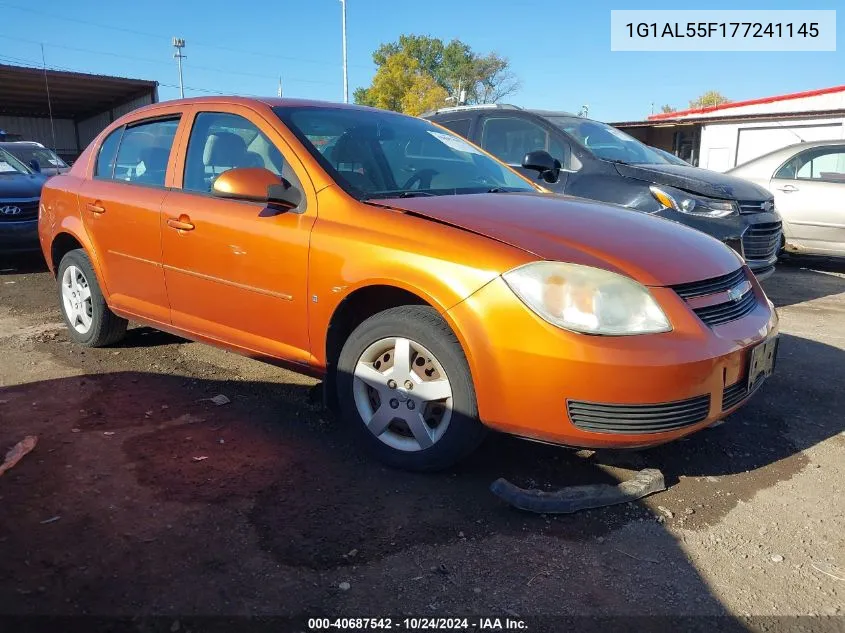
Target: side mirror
x=35 y=166
x=256 y=184
x=543 y=162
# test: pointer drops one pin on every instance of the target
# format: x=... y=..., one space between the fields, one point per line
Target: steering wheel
x=422 y=177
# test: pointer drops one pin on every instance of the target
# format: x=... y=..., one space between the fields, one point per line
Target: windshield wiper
x=414 y=194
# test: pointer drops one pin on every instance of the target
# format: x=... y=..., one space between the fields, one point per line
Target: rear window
x=108 y=151
x=145 y=151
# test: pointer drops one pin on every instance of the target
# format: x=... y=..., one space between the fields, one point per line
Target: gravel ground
x=144 y=498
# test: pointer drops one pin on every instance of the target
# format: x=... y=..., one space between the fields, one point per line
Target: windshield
x=11 y=165
x=45 y=157
x=372 y=154
x=607 y=142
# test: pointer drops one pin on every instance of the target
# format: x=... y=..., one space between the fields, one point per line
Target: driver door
x=236 y=271
x=510 y=138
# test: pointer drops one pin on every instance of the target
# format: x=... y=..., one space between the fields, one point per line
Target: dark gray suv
x=593 y=160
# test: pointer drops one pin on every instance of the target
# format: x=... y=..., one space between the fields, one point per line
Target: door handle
x=788 y=188
x=94 y=207
x=180 y=224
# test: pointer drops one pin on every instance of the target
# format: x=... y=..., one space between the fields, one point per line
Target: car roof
x=782 y=154
x=19 y=143
x=496 y=106
x=247 y=101
x=788 y=150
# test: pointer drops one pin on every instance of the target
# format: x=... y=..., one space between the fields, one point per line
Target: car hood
x=696 y=180
x=15 y=186
x=652 y=250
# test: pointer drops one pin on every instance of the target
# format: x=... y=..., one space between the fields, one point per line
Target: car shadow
x=144 y=336
x=169 y=502
x=22 y=263
x=804 y=278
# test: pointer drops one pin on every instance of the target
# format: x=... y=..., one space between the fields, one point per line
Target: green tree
x=665 y=109
x=709 y=99
x=455 y=67
x=401 y=85
x=423 y=94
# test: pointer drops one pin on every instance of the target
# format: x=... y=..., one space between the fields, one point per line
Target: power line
x=162 y=62
x=158 y=36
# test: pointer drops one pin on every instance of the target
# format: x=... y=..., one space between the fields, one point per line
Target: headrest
x=350 y=149
x=224 y=148
x=154 y=158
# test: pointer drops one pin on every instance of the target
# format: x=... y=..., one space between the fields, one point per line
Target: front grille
x=729 y=311
x=761 y=241
x=752 y=206
x=710 y=286
x=28 y=210
x=733 y=395
x=721 y=312
x=638 y=418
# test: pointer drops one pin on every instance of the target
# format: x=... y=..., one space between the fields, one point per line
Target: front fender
x=373 y=246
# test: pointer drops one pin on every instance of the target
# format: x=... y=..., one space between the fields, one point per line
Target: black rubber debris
x=575 y=498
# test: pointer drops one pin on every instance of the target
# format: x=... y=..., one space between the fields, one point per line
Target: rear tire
x=404 y=385
x=89 y=320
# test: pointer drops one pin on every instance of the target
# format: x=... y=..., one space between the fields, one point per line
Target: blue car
x=20 y=191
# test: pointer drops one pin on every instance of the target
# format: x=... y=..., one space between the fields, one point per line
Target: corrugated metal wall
x=38 y=129
x=127 y=107
x=89 y=128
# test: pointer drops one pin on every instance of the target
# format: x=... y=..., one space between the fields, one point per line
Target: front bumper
x=527 y=372
x=18 y=237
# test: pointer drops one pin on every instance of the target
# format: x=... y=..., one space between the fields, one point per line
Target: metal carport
x=81 y=105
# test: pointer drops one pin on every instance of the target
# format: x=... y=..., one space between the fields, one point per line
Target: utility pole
x=179 y=44
x=345 y=69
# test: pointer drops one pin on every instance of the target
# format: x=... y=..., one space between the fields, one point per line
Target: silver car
x=808 y=182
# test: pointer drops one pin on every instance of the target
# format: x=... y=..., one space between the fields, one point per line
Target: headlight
x=692 y=204
x=588 y=300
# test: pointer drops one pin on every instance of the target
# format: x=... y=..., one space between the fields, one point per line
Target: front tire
x=404 y=384
x=89 y=320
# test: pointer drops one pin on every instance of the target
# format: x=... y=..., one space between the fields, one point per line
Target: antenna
x=179 y=44
x=49 y=101
x=280 y=86
x=345 y=69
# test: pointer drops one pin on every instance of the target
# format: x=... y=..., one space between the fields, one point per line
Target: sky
x=560 y=51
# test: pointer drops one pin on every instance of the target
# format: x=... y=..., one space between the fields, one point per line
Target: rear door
x=238 y=274
x=810 y=194
x=120 y=206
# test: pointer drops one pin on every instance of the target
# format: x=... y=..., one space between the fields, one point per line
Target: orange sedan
x=437 y=291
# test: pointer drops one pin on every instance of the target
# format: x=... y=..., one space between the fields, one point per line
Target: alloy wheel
x=76 y=299
x=402 y=394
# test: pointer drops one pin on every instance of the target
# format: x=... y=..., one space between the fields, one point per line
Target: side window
x=825 y=164
x=563 y=152
x=107 y=154
x=458 y=126
x=221 y=141
x=144 y=152
x=510 y=138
